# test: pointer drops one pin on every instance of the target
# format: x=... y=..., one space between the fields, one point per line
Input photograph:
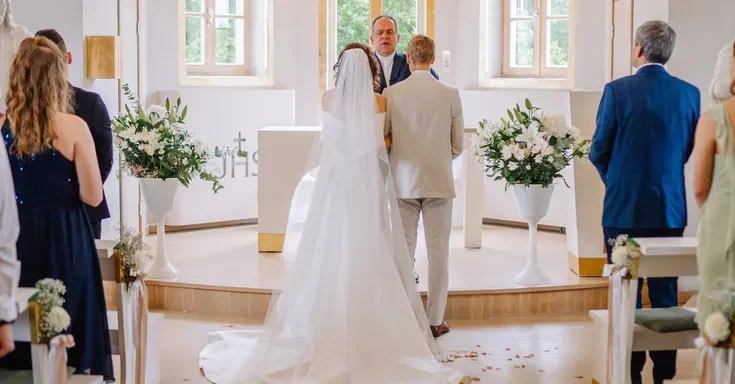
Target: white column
x=474 y=195
x=585 y=240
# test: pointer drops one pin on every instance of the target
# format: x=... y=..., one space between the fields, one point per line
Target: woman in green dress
x=714 y=190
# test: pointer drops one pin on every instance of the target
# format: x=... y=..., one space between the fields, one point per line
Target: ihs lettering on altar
x=234 y=154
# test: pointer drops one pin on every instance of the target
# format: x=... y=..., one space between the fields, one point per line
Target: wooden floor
x=538 y=350
x=222 y=273
x=228 y=257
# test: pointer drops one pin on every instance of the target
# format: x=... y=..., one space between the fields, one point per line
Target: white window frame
x=209 y=67
x=539 y=69
x=328 y=32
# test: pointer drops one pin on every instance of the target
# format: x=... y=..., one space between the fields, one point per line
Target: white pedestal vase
x=159 y=197
x=533 y=205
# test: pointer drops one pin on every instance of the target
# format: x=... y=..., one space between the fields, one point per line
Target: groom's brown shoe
x=438 y=330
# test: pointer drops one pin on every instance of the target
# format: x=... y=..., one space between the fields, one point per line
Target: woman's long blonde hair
x=37 y=91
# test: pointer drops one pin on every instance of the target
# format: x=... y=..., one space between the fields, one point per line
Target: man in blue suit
x=644 y=136
x=384 y=39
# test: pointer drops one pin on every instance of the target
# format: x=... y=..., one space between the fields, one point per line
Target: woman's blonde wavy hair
x=37 y=91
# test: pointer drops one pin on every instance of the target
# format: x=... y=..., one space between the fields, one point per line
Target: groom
x=425 y=118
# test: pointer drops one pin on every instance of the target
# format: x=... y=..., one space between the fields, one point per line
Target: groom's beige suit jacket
x=425 y=120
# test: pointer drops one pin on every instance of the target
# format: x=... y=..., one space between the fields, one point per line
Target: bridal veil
x=349 y=311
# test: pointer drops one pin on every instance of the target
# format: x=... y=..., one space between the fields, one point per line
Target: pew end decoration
x=48 y=319
x=718 y=341
x=130 y=256
x=528 y=152
x=626 y=255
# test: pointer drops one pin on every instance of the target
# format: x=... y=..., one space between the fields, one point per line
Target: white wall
x=702 y=29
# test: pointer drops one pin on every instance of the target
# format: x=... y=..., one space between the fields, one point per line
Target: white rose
x=716 y=327
x=512 y=166
x=507 y=152
x=157 y=109
x=58 y=319
x=620 y=256
x=539 y=158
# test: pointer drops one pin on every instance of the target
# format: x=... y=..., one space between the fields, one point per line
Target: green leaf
x=529 y=106
x=168 y=104
x=511 y=115
x=184 y=112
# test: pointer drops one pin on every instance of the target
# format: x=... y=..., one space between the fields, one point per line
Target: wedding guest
x=90 y=107
x=714 y=182
x=644 y=137
x=54 y=166
x=9 y=266
x=719 y=89
x=384 y=38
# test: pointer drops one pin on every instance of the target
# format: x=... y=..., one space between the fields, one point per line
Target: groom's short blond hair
x=421 y=49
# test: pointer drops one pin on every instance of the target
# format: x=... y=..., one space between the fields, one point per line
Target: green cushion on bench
x=666 y=320
x=22 y=377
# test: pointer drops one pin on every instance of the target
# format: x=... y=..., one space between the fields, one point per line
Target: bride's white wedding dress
x=350 y=311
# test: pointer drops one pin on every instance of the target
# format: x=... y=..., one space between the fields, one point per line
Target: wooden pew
x=106 y=250
x=660 y=257
x=22 y=333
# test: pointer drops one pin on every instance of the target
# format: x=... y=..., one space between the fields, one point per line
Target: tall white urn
x=533 y=205
x=159 y=196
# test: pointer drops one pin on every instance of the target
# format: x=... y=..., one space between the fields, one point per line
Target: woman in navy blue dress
x=55 y=170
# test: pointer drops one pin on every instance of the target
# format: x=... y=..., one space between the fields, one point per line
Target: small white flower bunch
x=134 y=253
x=54 y=319
x=623 y=253
x=718 y=324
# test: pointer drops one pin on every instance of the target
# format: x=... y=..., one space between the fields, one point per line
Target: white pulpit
x=283 y=153
x=585 y=242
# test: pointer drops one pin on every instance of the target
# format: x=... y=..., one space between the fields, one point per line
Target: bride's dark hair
x=732 y=84
x=374 y=65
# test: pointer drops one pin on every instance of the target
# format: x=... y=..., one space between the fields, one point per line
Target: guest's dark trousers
x=663 y=293
x=97 y=229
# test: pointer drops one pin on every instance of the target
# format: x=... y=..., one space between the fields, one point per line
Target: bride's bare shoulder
x=381 y=101
x=327 y=99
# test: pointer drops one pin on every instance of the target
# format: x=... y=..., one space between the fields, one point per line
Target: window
x=536 y=38
x=345 y=21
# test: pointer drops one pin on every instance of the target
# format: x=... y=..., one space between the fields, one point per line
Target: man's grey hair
x=389 y=17
x=656 y=39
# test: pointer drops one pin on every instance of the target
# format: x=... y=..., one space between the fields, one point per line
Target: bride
x=350 y=311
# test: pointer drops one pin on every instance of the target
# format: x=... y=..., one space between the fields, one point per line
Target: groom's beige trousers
x=437 y=214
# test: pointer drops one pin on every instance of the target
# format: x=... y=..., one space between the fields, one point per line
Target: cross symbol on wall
x=239 y=141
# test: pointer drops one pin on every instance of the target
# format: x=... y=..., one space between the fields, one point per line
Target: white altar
x=279 y=175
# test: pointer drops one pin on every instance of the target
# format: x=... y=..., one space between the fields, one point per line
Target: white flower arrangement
x=54 y=318
x=530 y=148
x=624 y=253
x=134 y=253
x=718 y=325
x=156 y=144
